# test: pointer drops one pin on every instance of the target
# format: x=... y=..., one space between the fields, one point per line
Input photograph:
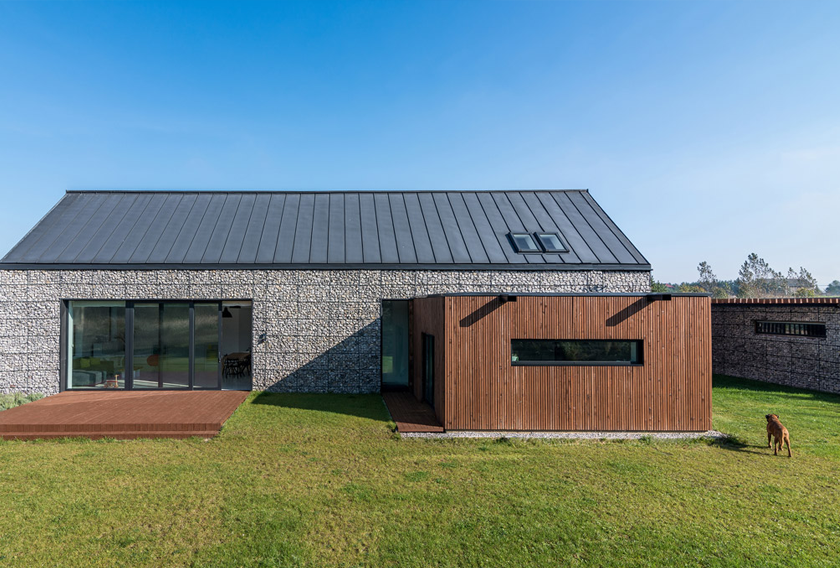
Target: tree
x=756 y=279
x=657 y=287
x=746 y=280
x=708 y=280
x=722 y=291
x=833 y=289
x=806 y=283
x=709 y=283
x=686 y=288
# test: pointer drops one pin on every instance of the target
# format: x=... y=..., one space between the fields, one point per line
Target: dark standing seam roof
x=335 y=232
x=350 y=229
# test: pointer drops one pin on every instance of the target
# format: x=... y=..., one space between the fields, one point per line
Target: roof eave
x=440 y=266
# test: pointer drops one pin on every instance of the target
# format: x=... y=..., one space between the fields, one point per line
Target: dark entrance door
x=395 y=338
x=429 y=368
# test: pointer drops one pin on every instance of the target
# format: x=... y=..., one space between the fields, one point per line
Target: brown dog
x=776 y=430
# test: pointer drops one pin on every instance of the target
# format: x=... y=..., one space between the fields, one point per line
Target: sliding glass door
x=207 y=337
x=96 y=345
x=147 y=346
x=166 y=345
x=161 y=345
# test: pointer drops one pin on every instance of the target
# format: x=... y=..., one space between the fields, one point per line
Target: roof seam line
x=248 y=224
x=230 y=228
x=114 y=229
x=137 y=220
x=70 y=240
x=160 y=235
x=585 y=220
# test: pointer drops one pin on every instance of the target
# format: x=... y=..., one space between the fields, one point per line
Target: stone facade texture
x=804 y=362
x=322 y=327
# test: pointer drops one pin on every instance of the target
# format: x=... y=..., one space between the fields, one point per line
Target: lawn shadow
x=725 y=382
x=368 y=406
x=733 y=444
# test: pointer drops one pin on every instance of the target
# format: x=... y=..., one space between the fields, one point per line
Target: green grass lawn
x=318 y=480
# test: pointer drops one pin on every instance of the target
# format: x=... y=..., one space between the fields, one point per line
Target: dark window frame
x=66 y=329
x=559 y=363
x=810 y=329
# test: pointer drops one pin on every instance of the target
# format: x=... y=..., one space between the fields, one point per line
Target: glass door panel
x=147 y=351
x=207 y=346
x=96 y=345
x=236 y=345
x=175 y=345
x=395 y=343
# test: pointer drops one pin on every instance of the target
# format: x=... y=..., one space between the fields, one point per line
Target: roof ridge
x=270 y=191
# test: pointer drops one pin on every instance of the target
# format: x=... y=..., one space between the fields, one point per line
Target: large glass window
x=575 y=352
x=170 y=345
x=395 y=343
x=96 y=345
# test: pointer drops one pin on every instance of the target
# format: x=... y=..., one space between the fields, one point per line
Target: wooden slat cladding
x=671 y=391
x=428 y=318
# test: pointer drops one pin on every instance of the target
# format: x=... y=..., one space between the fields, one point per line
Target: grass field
x=318 y=480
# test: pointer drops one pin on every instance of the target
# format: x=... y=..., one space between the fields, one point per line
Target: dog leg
x=788 y=445
x=775 y=447
x=769 y=435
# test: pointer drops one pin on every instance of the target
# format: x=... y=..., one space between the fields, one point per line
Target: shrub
x=14 y=399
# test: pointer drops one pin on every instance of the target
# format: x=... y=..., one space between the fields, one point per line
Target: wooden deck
x=410 y=414
x=122 y=415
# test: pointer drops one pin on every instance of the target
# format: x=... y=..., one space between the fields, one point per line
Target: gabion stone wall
x=322 y=327
x=805 y=362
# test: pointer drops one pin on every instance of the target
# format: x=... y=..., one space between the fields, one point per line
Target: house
x=323 y=292
x=786 y=341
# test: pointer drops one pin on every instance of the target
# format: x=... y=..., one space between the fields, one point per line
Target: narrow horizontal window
x=802 y=329
x=575 y=352
x=524 y=242
x=551 y=242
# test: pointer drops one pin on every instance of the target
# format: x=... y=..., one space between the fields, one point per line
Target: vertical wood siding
x=671 y=391
x=428 y=317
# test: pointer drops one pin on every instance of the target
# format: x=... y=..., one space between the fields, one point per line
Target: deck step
x=75 y=429
x=411 y=415
x=121 y=415
x=126 y=435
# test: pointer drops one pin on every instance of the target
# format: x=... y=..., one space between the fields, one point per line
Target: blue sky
x=707 y=130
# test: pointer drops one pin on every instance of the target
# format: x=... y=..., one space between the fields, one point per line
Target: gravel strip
x=569 y=435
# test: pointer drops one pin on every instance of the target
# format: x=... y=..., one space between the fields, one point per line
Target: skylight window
x=524 y=242
x=551 y=242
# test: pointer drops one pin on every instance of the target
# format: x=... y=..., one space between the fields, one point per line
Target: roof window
x=524 y=242
x=551 y=242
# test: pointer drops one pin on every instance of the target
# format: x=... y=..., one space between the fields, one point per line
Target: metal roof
x=346 y=229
